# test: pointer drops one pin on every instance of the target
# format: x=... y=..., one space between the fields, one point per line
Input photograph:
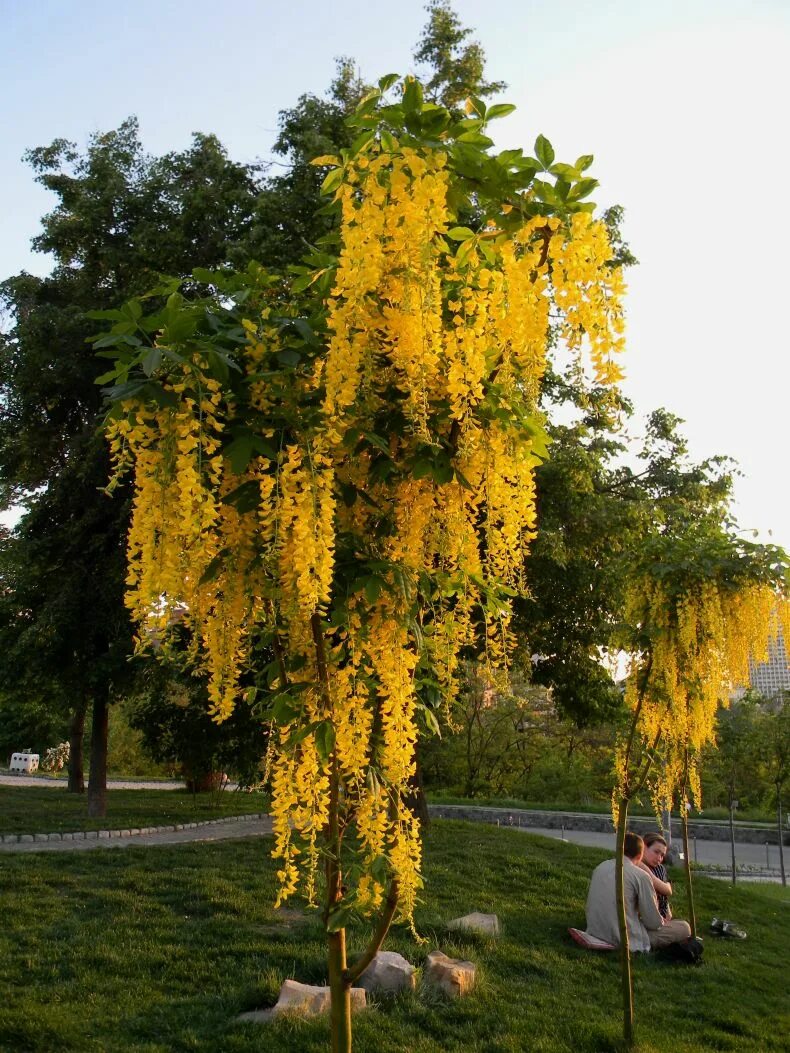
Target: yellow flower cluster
x=702 y=643
x=421 y=414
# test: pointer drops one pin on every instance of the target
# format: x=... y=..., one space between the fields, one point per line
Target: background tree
x=121 y=218
x=773 y=737
x=732 y=760
x=456 y=64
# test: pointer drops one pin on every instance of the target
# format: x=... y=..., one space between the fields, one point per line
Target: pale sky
x=684 y=105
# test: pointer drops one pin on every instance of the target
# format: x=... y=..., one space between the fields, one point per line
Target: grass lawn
x=157 y=950
x=48 y=810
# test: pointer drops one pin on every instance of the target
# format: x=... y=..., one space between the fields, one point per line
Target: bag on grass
x=689 y=951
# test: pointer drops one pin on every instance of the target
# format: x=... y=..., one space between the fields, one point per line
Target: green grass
x=46 y=809
x=602 y=807
x=157 y=950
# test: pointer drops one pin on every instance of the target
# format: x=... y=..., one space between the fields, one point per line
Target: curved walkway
x=214 y=830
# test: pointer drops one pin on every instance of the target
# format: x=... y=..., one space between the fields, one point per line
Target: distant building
x=772 y=677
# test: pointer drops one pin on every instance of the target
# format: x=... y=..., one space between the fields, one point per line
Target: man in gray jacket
x=647 y=930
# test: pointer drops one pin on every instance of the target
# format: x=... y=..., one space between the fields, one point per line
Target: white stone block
x=452 y=976
x=486 y=924
x=389 y=972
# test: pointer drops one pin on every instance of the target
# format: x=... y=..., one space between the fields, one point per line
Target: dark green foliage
x=171 y=712
x=456 y=64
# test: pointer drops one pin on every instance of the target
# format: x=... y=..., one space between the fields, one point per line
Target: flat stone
x=452 y=976
x=486 y=924
x=56 y=837
x=389 y=972
x=26 y=838
x=126 y=833
x=41 y=837
x=134 y=831
x=311 y=1001
x=79 y=835
x=104 y=835
x=10 y=839
x=67 y=837
x=91 y=835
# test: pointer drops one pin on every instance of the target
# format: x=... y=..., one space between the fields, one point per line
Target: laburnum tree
x=701 y=602
x=337 y=466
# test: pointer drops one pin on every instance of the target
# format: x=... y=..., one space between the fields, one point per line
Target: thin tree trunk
x=97 y=780
x=732 y=837
x=76 y=749
x=684 y=819
x=781 y=844
x=625 y=952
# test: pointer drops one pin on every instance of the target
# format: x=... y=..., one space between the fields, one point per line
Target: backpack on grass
x=688 y=952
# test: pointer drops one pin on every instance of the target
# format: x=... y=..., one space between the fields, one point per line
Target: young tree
x=340 y=467
x=700 y=602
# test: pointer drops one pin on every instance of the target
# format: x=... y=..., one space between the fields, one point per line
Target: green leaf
x=289 y=357
x=373 y=587
x=214 y=567
x=501 y=109
x=584 y=162
x=285 y=708
x=339 y=918
x=476 y=139
x=412 y=96
x=566 y=172
x=239 y=453
x=362 y=141
x=385 y=83
x=332 y=181
x=544 y=152
x=325 y=739
x=152 y=361
x=388 y=141
x=245 y=497
x=582 y=189
x=460 y=233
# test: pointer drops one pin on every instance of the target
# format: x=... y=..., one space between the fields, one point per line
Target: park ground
x=157 y=950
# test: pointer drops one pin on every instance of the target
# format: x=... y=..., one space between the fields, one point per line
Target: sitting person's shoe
x=717 y=925
x=729 y=928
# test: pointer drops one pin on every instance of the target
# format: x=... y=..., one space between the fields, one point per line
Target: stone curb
x=92 y=835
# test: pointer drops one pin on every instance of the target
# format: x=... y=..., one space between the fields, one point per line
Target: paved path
x=714 y=853
x=112 y=784
x=223 y=831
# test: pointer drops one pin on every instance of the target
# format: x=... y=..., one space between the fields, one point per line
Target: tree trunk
x=76 y=756
x=732 y=837
x=97 y=780
x=625 y=951
x=684 y=819
x=340 y=993
x=781 y=843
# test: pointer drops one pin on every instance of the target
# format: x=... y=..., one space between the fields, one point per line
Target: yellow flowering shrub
x=698 y=628
x=338 y=471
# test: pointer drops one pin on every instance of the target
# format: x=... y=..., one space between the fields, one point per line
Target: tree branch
x=373 y=948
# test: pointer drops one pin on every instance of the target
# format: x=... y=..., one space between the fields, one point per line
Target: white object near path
x=486 y=924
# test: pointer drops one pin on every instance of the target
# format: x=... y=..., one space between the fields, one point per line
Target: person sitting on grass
x=653 y=864
x=647 y=930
